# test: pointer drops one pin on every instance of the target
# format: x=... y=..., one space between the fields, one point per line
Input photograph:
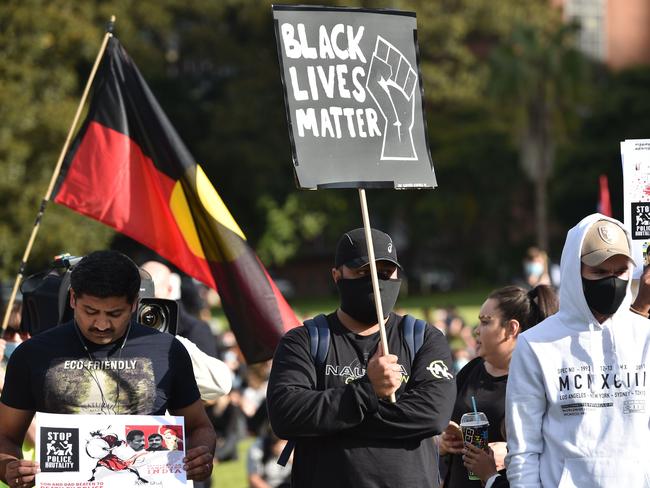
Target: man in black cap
x=347 y=433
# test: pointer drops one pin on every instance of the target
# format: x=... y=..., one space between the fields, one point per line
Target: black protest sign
x=353 y=97
x=640 y=220
x=59 y=449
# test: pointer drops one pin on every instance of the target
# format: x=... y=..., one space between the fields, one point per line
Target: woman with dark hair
x=503 y=316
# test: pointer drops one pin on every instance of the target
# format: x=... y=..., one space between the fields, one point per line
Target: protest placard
x=353 y=95
x=104 y=451
x=635 y=156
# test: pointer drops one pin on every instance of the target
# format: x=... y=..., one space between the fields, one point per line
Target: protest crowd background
x=245 y=442
x=526 y=104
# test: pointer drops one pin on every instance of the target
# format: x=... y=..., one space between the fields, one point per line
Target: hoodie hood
x=579 y=391
x=574 y=311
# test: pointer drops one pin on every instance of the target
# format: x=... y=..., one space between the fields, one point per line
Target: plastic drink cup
x=474 y=426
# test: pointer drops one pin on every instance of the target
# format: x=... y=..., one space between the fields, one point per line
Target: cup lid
x=473 y=417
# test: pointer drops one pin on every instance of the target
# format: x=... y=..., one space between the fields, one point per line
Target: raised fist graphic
x=391 y=83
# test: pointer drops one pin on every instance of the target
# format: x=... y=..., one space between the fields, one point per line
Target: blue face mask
x=10 y=347
x=534 y=268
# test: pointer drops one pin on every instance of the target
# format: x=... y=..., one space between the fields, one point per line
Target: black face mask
x=357 y=297
x=604 y=295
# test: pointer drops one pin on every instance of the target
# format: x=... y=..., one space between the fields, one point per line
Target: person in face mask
x=578 y=392
x=346 y=431
x=536 y=268
x=351 y=274
x=605 y=268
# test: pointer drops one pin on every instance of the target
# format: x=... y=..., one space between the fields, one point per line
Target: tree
x=621 y=113
x=536 y=78
x=41 y=46
x=213 y=66
x=47 y=49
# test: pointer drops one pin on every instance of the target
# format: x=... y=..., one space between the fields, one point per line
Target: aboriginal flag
x=129 y=169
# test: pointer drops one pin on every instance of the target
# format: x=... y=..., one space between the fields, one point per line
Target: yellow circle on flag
x=214 y=206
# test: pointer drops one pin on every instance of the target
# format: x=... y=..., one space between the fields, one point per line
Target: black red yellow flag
x=129 y=169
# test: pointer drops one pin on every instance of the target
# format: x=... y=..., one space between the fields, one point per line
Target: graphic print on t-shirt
x=356 y=370
x=59 y=449
x=583 y=388
x=108 y=386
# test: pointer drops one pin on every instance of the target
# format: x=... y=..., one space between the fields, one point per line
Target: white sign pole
x=373 y=275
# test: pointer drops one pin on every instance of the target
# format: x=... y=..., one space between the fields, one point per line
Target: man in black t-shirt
x=347 y=433
x=102 y=362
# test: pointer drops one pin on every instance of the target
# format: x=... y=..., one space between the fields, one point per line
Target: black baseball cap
x=352 y=250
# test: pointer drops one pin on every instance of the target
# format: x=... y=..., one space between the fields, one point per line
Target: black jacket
x=345 y=436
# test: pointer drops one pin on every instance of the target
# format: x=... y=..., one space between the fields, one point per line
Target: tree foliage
x=41 y=47
x=537 y=75
x=213 y=66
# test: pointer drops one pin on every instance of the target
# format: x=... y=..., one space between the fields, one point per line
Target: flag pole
x=373 y=275
x=55 y=174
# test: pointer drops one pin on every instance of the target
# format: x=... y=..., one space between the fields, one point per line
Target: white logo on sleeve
x=438 y=369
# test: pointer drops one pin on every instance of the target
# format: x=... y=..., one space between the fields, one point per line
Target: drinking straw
x=474 y=405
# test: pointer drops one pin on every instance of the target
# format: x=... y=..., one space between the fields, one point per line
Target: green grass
x=232 y=474
x=468 y=302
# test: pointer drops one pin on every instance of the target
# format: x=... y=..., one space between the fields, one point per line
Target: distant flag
x=604 y=203
x=129 y=169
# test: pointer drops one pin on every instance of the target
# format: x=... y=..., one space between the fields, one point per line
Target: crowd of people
x=561 y=382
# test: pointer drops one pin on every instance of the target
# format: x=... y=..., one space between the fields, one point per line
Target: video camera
x=46 y=300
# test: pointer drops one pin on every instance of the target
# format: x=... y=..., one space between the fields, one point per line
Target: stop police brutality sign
x=353 y=97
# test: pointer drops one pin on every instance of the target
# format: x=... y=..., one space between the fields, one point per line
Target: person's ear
x=336 y=274
x=134 y=306
x=512 y=328
x=73 y=299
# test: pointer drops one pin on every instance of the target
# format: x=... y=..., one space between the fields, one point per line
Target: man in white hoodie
x=577 y=406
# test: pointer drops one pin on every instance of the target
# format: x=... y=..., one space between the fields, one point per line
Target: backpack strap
x=319 y=338
x=319 y=346
x=413 y=331
x=286 y=453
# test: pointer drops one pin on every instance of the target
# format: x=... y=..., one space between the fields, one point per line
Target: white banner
x=104 y=451
x=635 y=156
